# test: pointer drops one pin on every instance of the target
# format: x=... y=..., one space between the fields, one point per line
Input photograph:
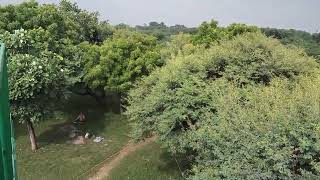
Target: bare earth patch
x=105 y=170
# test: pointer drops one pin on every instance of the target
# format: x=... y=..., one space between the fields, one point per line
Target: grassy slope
x=56 y=160
x=151 y=162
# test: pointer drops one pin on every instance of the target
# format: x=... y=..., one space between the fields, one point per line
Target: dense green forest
x=238 y=102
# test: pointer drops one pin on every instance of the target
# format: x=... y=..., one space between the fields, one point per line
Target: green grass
x=56 y=160
x=150 y=162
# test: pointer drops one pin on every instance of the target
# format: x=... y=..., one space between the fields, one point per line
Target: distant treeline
x=310 y=42
x=160 y=30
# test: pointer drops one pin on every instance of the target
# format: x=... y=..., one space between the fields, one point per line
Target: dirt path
x=105 y=170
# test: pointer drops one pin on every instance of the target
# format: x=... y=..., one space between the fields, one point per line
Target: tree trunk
x=32 y=135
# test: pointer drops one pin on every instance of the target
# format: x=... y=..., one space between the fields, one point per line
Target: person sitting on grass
x=80 y=119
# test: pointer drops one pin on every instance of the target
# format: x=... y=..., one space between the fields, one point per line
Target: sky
x=288 y=14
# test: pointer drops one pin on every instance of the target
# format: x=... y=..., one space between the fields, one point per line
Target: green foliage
x=310 y=42
x=248 y=59
x=65 y=21
x=237 y=29
x=32 y=42
x=260 y=132
x=125 y=57
x=44 y=52
x=204 y=105
x=179 y=45
x=162 y=31
x=59 y=28
x=209 y=33
x=316 y=37
x=35 y=73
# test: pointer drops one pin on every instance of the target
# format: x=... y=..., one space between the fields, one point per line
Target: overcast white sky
x=297 y=14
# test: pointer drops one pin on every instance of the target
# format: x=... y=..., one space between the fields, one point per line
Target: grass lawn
x=56 y=160
x=150 y=162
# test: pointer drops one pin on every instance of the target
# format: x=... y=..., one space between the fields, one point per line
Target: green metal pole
x=7 y=142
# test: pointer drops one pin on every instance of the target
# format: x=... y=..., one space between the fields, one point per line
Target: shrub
x=201 y=105
x=265 y=132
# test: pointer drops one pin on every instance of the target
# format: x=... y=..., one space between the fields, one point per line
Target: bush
x=215 y=106
x=265 y=132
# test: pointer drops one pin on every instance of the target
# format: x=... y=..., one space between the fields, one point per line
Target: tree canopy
x=210 y=104
x=125 y=57
x=65 y=21
x=162 y=31
x=44 y=55
x=209 y=33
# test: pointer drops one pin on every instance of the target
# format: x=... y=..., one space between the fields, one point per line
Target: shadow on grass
x=19 y=129
x=172 y=164
x=96 y=119
x=96 y=124
x=53 y=135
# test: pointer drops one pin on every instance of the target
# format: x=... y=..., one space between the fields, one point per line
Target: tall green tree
x=125 y=57
x=36 y=76
x=45 y=55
